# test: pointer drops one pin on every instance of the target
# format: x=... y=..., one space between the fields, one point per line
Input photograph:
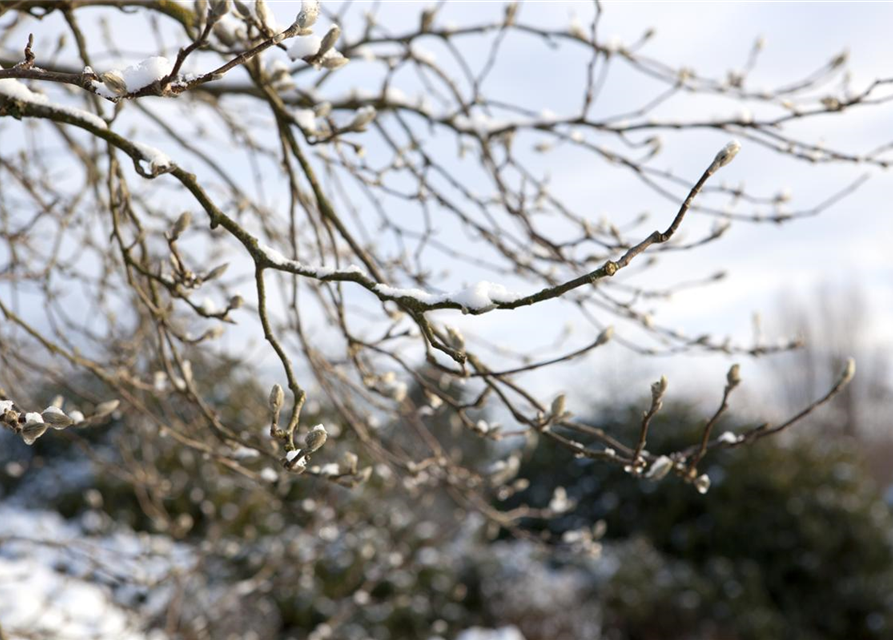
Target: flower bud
x=33 y=429
x=180 y=225
x=329 y=40
x=114 y=81
x=363 y=117
x=216 y=272
x=334 y=60
x=316 y=438
x=702 y=483
x=659 y=388
x=56 y=418
x=726 y=154
x=277 y=398
x=604 y=336
x=306 y=18
x=219 y=8
x=849 y=371
x=558 y=406
x=733 y=377
x=106 y=408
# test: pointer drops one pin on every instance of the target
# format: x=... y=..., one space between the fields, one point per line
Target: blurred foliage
x=792 y=540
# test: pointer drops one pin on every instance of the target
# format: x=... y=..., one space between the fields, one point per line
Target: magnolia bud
x=726 y=154
x=659 y=468
x=733 y=378
x=604 y=336
x=216 y=272
x=106 y=408
x=180 y=225
x=350 y=462
x=219 y=8
x=264 y=14
x=277 y=398
x=558 y=406
x=329 y=40
x=702 y=483
x=659 y=388
x=334 y=60
x=33 y=429
x=56 y=418
x=849 y=371
x=306 y=18
x=316 y=438
x=115 y=82
x=363 y=117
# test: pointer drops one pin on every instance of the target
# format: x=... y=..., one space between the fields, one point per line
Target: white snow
x=138 y=75
x=304 y=46
x=291 y=455
x=730 y=438
x=478 y=297
x=312 y=271
x=306 y=119
x=5 y=405
x=157 y=160
x=17 y=91
x=48 y=577
x=33 y=417
x=269 y=475
x=479 y=633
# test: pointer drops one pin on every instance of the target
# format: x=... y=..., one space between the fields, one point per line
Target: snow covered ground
x=58 y=581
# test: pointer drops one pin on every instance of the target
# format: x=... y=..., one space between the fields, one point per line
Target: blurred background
x=794 y=538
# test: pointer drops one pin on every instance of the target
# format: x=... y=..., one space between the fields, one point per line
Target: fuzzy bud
x=733 y=377
x=316 y=438
x=334 y=60
x=659 y=468
x=306 y=18
x=216 y=272
x=659 y=388
x=108 y=407
x=33 y=429
x=363 y=117
x=559 y=405
x=277 y=398
x=604 y=336
x=114 y=81
x=702 y=483
x=848 y=372
x=219 y=8
x=329 y=40
x=180 y=225
x=726 y=154
x=56 y=418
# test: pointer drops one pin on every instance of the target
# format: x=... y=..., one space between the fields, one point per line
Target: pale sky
x=849 y=243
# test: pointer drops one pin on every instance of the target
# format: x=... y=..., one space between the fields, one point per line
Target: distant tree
x=791 y=541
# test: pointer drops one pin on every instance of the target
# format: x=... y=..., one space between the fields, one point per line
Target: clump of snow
x=304 y=47
x=478 y=297
x=306 y=119
x=138 y=76
x=479 y=633
x=14 y=89
x=730 y=438
x=157 y=160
